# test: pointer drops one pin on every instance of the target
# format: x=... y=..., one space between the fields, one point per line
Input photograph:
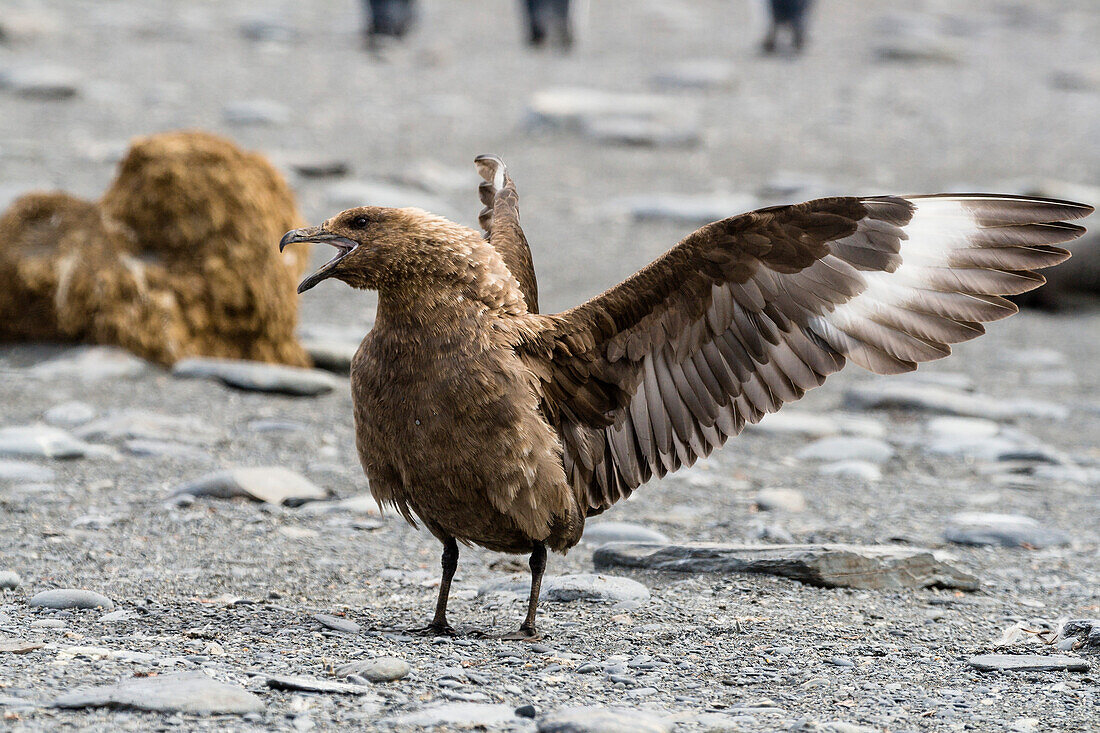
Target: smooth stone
x=9 y=579
x=830 y=566
x=257 y=377
x=277 y=426
x=912 y=395
x=786 y=500
x=256 y=112
x=41 y=441
x=45 y=82
x=91 y=364
x=113 y=616
x=696 y=74
x=314 y=684
x=597 y=719
x=69 y=414
x=184 y=692
x=598 y=533
x=860 y=470
x=380 y=669
x=565 y=588
x=70 y=598
x=643 y=132
x=1075 y=80
x=1027 y=663
x=456 y=715
x=127 y=425
x=1037 y=358
x=679 y=208
x=18 y=646
x=1006 y=530
x=333 y=356
x=793 y=422
x=24 y=472
x=350 y=194
x=271 y=484
x=336 y=623
x=22 y=26
x=313 y=167
x=846 y=448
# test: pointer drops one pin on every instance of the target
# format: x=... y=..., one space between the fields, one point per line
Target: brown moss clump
x=178 y=259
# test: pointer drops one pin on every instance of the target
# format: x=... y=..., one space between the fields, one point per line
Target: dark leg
x=527 y=630
x=439 y=625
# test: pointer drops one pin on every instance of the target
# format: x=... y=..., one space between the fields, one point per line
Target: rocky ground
x=273 y=598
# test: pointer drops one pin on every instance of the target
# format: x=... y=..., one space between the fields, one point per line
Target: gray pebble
x=69 y=414
x=598 y=533
x=41 y=82
x=9 y=579
x=1006 y=530
x=188 y=692
x=70 y=598
x=845 y=448
x=336 y=623
x=24 y=472
x=788 y=500
x=1027 y=663
x=257 y=377
x=380 y=669
x=593 y=719
x=256 y=112
x=586 y=587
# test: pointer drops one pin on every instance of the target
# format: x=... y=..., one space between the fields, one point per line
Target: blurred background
x=663 y=115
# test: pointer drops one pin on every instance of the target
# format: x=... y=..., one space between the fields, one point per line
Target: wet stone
x=831 y=566
x=1027 y=663
x=1006 y=530
x=595 y=719
x=581 y=587
x=9 y=579
x=336 y=623
x=381 y=669
x=41 y=441
x=271 y=484
x=24 y=472
x=185 y=692
x=257 y=377
x=601 y=532
x=70 y=598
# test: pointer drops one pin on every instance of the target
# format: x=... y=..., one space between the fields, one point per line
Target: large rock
x=257 y=377
x=271 y=484
x=595 y=719
x=831 y=566
x=1006 y=530
x=581 y=587
x=1027 y=663
x=41 y=441
x=380 y=669
x=314 y=684
x=923 y=397
x=184 y=692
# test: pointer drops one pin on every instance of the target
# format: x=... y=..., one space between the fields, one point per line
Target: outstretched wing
x=748 y=313
x=500 y=220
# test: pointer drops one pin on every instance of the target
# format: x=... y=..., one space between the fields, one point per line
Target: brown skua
x=498 y=426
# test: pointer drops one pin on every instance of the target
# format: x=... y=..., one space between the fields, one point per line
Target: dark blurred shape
x=1072 y=285
x=548 y=20
x=790 y=14
x=391 y=18
x=177 y=259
